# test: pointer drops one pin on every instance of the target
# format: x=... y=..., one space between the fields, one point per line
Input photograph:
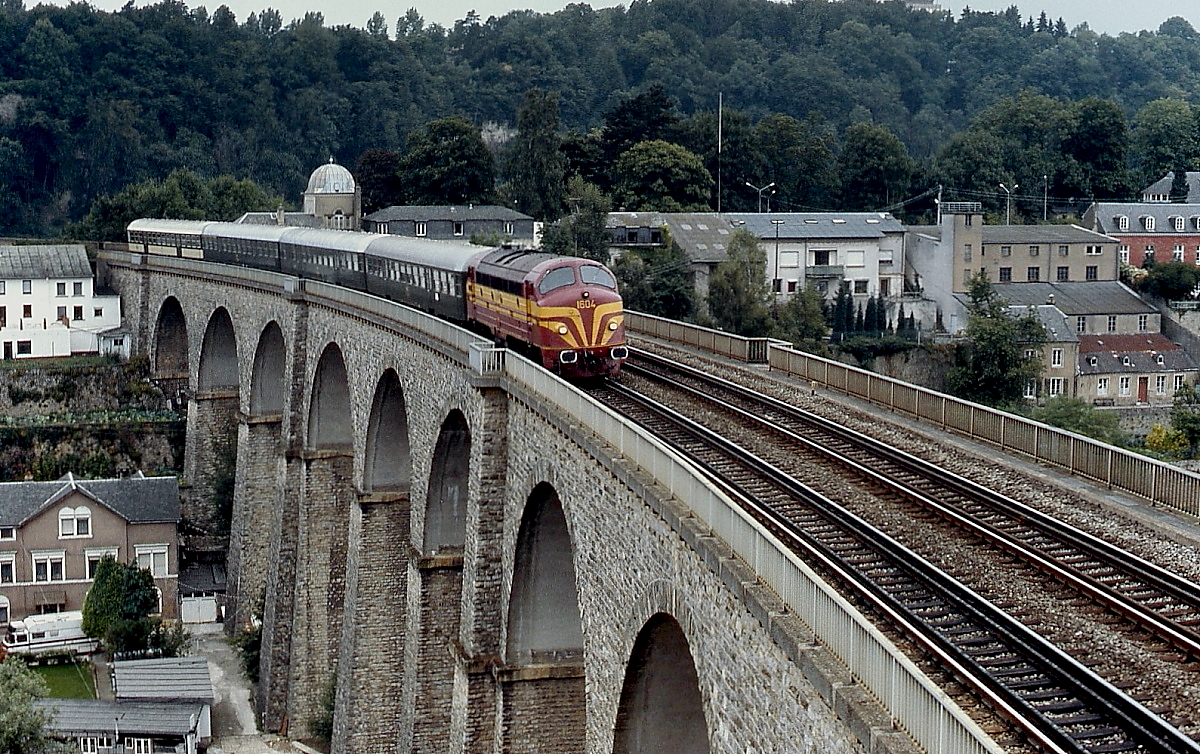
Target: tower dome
x=330 y=178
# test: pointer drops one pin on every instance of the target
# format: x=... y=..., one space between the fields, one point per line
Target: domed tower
x=333 y=196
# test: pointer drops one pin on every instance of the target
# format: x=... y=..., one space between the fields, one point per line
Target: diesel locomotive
x=564 y=312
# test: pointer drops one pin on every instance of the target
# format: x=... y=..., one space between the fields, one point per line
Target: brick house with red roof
x=1132 y=369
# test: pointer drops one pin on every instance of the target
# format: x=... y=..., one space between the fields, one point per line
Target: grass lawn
x=72 y=681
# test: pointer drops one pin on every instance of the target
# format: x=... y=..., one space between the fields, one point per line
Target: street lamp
x=778 y=282
x=760 y=192
x=1008 y=212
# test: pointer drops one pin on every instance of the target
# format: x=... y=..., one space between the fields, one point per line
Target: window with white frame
x=422 y=229
x=4 y=616
x=1178 y=381
x=8 y=533
x=77 y=288
x=1064 y=250
x=1124 y=386
x=1143 y=322
x=1056 y=356
x=1123 y=253
x=1177 y=253
x=1102 y=386
x=60 y=289
x=8 y=568
x=48 y=566
x=1177 y=222
x=508 y=228
x=94 y=555
x=27 y=287
x=458 y=229
x=1005 y=251
x=1160 y=384
x=1 y=287
x=1081 y=324
x=75 y=522
x=1056 y=386
x=1148 y=222
x=1031 y=389
x=1122 y=222
x=1093 y=251
x=153 y=558
x=138 y=745
x=1112 y=323
x=1029 y=352
x=1034 y=250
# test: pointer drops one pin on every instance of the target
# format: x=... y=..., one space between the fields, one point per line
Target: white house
x=49 y=305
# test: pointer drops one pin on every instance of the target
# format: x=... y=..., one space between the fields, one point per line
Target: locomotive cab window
x=592 y=275
x=559 y=277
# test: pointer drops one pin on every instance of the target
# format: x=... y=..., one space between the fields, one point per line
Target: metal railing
x=1116 y=468
x=914 y=702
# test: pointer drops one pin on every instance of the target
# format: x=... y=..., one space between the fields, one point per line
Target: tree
x=657 y=281
x=737 y=292
x=992 y=368
x=536 y=164
x=875 y=167
x=1077 y=415
x=1173 y=281
x=584 y=232
x=118 y=605
x=23 y=726
x=447 y=163
x=1163 y=136
x=377 y=172
x=660 y=176
x=644 y=117
x=1179 y=183
x=1097 y=141
x=1185 y=415
x=802 y=318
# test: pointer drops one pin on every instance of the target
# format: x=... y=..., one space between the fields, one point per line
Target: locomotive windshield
x=559 y=277
x=594 y=275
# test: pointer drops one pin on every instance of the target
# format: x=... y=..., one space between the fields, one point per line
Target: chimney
x=1050 y=299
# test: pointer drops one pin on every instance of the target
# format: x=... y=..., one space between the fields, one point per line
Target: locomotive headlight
x=562 y=329
x=612 y=325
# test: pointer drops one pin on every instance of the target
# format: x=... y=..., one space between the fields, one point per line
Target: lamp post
x=1008 y=211
x=760 y=192
x=778 y=282
x=1045 y=195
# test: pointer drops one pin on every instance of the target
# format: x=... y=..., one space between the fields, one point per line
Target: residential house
x=161 y=705
x=332 y=200
x=456 y=223
x=1119 y=357
x=942 y=259
x=818 y=249
x=1059 y=354
x=50 y=306
x=1149 y=231
x=1160 y=191
x=54 y=534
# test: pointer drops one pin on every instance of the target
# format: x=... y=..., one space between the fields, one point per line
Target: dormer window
x=74 y=522
x=1158 y=359
x=1177 y=222
x=1125 y=361
x=1092 y=361
x=1122 y=222
x=1148 y=222
x=1196 y=222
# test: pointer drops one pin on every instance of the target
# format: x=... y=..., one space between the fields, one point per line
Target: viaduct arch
x=465 y=572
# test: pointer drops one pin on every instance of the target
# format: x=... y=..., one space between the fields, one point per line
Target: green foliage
x=583 y=232
x=657 y=281
x=1167 y=442
x=447 y=163
x=321 y=722
x=536 y=166
x=182 y=196
x=1185 y=415
x=169 y=638
x=801 y=319
x=377 y=173
x=875 y=166
x=737 y=291
x=992 y=367
x=118 y=604
x=248 y=642
x=1076 y=415
x=660 y=176
x=1173 y=281
x=22 y=727
x=866 y=348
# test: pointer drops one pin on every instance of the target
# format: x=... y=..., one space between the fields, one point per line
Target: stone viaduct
x=460 y=564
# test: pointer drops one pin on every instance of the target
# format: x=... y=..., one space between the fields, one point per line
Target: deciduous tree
x=118 y=605
x=23 y=726
x=660 y=176
x=536 y=165
x=447 y=163
x=993 y=368
x=737 y=292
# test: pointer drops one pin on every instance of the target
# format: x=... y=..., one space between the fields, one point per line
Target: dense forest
x=853 y=104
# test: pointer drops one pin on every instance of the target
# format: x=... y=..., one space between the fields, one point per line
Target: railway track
x=1058 y=703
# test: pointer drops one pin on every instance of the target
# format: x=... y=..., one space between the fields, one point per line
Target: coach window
x=597 y=276
x=559 y=277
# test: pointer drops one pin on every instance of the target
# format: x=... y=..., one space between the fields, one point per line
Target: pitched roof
x=138 y=499
x=1162 y=187
x=166 y=678
x=1075 y=299
x=44 y=262
x=1104 y=216
x=78 y=717
x=1132 y=354
x=1058 y=330
x=425 y=213
x=1035 y=234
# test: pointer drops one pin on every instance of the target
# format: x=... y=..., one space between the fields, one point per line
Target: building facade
x=49 y=305
x=1149 y=231
x=456 y=223
x=54 y=534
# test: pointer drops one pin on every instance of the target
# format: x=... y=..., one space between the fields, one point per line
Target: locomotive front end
x=580 y=322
